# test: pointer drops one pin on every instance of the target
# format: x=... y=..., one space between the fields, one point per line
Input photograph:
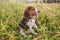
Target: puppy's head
x=31 y=12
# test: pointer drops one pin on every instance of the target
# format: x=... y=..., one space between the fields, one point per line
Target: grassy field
x=48 y=21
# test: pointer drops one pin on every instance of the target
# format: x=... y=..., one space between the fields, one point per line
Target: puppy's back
x=23 y=23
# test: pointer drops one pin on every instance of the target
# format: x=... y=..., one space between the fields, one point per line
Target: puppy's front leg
x=35 y=27
x=30 y=25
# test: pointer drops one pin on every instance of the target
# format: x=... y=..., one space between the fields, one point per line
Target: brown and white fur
x=28 y=21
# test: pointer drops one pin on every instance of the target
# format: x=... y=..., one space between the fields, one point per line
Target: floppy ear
x=26 y=13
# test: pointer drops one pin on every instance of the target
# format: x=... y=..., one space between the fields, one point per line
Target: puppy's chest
x=31 y=22
x=27 y=24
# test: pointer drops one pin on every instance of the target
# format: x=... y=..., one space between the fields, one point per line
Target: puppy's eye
x=29 y=9
x=33 y=9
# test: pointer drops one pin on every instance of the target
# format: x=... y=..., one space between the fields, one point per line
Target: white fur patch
x=31 y=23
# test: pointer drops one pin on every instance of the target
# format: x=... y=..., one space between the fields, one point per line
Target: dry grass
x=48 y=21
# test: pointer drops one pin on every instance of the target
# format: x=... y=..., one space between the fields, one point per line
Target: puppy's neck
x=28 y=17
x=32 y=20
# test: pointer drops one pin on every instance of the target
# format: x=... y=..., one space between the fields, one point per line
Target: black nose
x=38 y=11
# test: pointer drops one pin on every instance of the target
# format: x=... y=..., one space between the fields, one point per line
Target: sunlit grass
x=48 y=21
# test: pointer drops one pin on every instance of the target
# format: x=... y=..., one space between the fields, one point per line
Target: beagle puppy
x=28 y=22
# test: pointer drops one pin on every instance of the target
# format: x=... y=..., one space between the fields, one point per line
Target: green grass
x=48 y=21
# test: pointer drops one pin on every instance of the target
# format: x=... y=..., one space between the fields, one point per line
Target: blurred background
x=48 y=21
x=29 y=1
